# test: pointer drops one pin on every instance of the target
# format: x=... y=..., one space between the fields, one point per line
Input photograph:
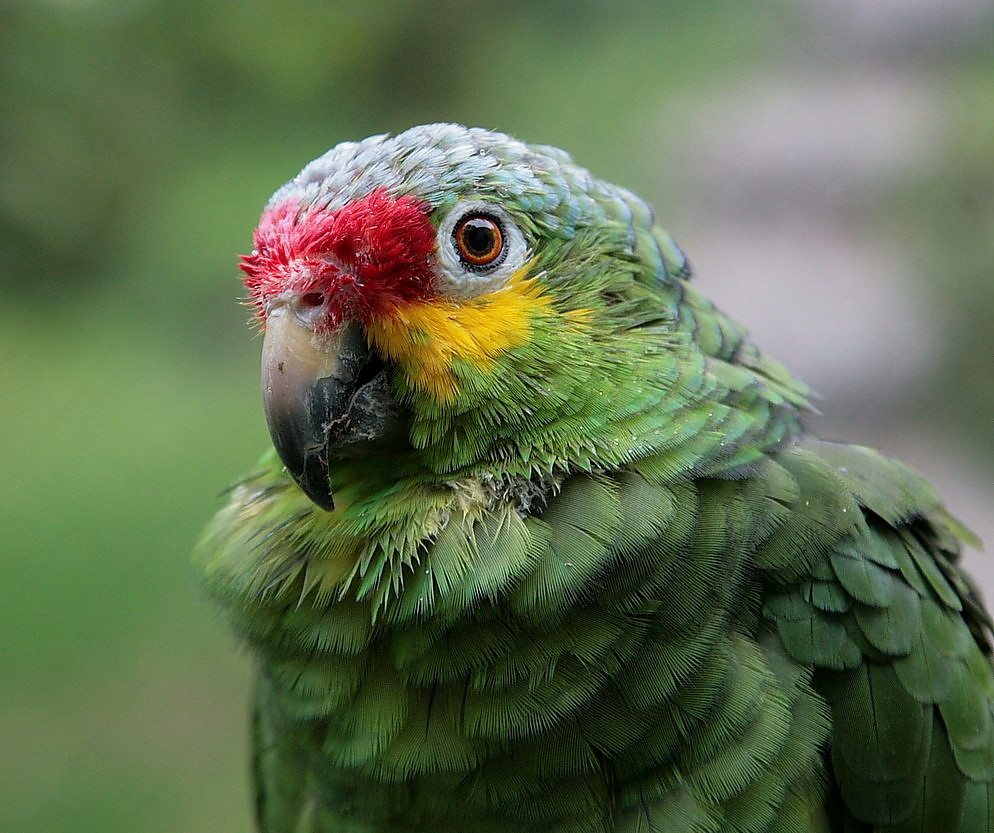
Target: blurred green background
x=828 y=166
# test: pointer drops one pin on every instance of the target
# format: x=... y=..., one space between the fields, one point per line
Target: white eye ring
x=465 y=279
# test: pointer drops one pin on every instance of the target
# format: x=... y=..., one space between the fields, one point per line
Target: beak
x=310 y=382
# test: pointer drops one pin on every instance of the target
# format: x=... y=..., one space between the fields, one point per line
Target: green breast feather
x=544 y=545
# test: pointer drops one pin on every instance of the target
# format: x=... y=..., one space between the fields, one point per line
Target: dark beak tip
x=321 y=500
x=313 y=481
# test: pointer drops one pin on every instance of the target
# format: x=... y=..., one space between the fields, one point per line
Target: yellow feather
x=424 y=339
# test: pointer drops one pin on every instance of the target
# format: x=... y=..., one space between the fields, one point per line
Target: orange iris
x=479 y=240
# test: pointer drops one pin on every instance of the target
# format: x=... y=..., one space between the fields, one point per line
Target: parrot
x=543 y=543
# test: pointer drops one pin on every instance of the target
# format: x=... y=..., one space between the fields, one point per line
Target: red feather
x=367 y=257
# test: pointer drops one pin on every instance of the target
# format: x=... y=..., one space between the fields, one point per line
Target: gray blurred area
x=798 y=179
x=828 y=166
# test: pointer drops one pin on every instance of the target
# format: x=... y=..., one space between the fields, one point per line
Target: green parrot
x=543 y=543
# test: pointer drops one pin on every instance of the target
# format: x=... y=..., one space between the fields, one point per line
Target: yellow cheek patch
x=424 y=339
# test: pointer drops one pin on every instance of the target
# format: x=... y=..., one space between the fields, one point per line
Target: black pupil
x=478 y=237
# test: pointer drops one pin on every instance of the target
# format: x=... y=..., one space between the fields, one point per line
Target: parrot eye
x=479 y=241
x=479 y=248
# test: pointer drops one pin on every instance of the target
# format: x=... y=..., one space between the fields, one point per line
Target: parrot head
x=454 y=293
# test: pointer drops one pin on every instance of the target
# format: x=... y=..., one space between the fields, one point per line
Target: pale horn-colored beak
x=309 y=381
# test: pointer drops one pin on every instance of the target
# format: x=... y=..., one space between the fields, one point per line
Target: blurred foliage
x=138 y=142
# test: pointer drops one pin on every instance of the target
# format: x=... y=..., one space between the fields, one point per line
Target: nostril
x=311 y=299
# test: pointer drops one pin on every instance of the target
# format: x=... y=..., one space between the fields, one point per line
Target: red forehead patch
x=367 y=256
